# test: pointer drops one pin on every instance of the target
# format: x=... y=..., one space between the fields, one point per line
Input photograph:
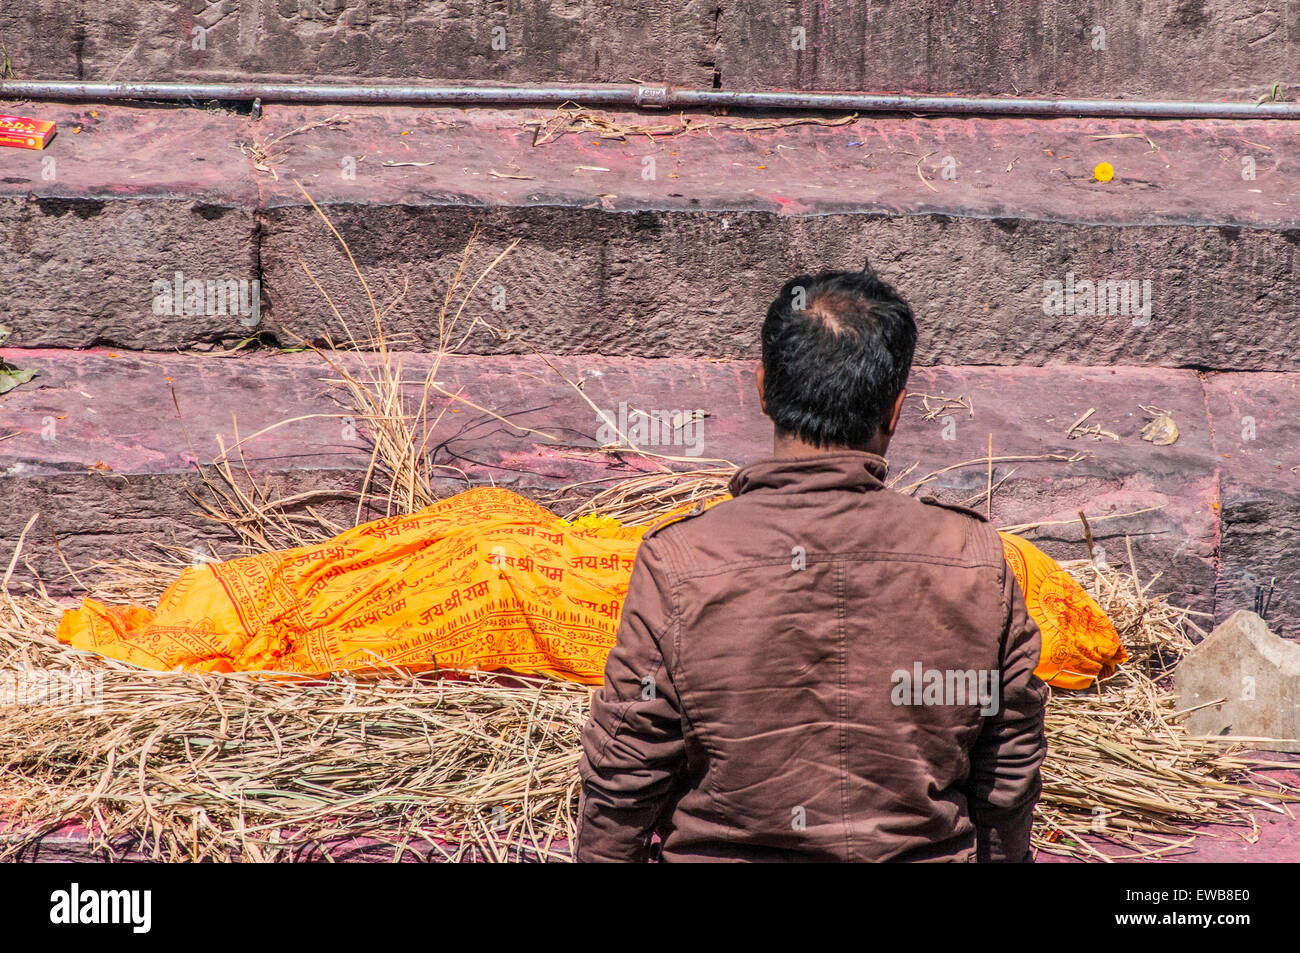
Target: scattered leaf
x=1161 y=431
x=11 y=377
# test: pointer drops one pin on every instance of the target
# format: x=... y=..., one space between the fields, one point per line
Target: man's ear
x=759 y=379
x=898 y=412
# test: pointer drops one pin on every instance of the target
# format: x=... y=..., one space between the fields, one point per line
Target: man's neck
x=788 y=447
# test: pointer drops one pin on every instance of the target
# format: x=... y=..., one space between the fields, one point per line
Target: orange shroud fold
x=482 y=580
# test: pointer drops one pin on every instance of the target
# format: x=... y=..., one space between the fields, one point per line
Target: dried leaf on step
x=11 y=377
x=1162 y=431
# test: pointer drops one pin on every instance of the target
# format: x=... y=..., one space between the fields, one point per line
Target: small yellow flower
x=1104 y=172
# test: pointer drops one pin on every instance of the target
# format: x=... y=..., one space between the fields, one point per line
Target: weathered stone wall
x=661 y=247
x=1180 y=49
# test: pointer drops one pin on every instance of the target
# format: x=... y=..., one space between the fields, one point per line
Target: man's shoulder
x=966 y=528
x=683 y=541
x=930 y=499
x=721 y=530
x=679 y=518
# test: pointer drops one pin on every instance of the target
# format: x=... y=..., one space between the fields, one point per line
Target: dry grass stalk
x=1120 y=768
x=644 y=498
x=395 y=417
x=261 y=153
x=1076 y=429
x=943 y=405
x=584 y=122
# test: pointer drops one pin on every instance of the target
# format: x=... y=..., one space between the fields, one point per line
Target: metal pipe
x=641 y=97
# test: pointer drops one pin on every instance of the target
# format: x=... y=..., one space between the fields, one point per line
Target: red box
x=22 y=133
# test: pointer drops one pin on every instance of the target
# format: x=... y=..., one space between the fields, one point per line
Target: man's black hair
x=837 y=348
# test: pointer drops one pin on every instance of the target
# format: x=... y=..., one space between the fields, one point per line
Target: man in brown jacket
x=820 y=668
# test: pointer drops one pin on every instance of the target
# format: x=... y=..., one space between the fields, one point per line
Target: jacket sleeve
x=633 y=743
x=1004 y=781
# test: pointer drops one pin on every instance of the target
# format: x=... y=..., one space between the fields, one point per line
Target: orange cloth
x=485 y=579
x=1079 y=641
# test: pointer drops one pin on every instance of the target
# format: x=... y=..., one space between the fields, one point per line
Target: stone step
x=1208 y=49
x=1257 y=433
x=104 y=445
x=658 y=245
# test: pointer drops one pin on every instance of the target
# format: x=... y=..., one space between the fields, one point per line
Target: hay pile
x=176 y=766
x=1120 y=767
x=181 y=767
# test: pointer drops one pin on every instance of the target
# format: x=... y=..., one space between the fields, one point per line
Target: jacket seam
x=681 y=680
x=868 y=555
x=987 y=542
x=842 y=625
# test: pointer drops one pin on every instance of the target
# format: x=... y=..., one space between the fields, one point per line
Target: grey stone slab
x=1243 y=681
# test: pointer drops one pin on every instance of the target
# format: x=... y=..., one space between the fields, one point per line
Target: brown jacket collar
x=846 y=470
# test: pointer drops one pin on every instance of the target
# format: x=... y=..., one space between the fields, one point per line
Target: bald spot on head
x=828 y=310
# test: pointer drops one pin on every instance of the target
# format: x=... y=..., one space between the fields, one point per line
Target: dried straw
x=183 y=766
x=1122 y=779
x=568 y=119
x=180 y=767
